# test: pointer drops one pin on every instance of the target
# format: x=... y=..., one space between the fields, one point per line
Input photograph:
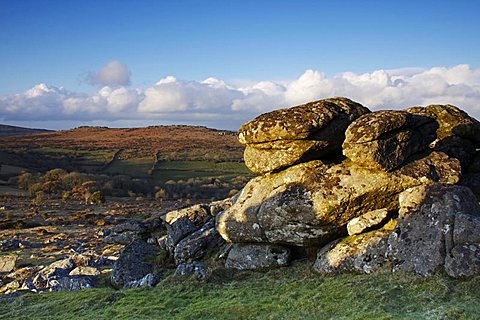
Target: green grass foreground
x=291 y=293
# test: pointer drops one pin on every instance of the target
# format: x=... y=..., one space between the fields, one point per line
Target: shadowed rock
x=384 y=140
x=257 y=256
x=135 y=262
x=429 y=218
x=458 y=134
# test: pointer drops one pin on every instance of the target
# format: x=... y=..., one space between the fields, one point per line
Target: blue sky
x=67 y=43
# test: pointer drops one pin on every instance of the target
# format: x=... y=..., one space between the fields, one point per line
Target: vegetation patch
x=289 y=293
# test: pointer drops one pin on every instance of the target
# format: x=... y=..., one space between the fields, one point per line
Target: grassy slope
x=90 y=149
x=289 y=293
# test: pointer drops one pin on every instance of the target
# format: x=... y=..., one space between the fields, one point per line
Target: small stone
x=7 y=263
x=72 y=283
x=84 y=271
x=365 y=221
x=149 y=281
x=257 y=256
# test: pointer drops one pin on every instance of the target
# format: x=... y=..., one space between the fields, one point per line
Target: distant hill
x=161 y=152
x=13 y=131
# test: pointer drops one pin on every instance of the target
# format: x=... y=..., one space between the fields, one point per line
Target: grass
x=10 y=191
x=8 y=170
x=137 y=167
x=292 y=293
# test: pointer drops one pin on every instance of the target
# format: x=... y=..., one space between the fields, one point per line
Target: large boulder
x=311 y=203
x=284 y=137
x=433 y=224
x=384 y=140
x=363 y=253
x=135 y=261
x=464 y=258
x=257 y=256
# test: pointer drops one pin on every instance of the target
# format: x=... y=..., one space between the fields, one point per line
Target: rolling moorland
x=46 y=228
x=160 y=152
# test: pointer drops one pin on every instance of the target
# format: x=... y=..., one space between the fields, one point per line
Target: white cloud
x=214 y=101
x=113 y=73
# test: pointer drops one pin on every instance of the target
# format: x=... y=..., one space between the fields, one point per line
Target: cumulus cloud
x=215 y=100
x=113 y=73
x=43 y=102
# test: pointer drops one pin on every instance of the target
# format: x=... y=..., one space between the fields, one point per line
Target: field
x=293 y=293
x=184 y=170
x=162 y=153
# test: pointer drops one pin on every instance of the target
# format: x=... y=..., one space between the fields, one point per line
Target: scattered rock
x=149 y=281
x=257 y=256
x=197 y=268
x=135 y=262
x=7 y=263
x=84 y=271
x=24 y=273
x=58 y=268
x=72 y=283
x=196 y=245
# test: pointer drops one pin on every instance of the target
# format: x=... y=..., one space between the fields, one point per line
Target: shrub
x=160 y=194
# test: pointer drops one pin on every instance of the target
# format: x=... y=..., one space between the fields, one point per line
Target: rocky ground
x=33 y=237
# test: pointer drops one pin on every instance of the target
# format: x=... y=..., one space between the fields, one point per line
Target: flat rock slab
x=298 y=122
x=365 y=221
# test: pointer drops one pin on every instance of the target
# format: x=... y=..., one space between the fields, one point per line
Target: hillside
x=138 y=152
x=13 y=131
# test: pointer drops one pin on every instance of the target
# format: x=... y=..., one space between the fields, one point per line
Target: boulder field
x=348 y=189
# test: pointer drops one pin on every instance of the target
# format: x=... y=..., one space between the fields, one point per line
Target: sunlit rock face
x=311 y=203
x=285 y=137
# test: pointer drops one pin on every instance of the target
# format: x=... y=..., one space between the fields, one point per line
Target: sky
x=220 y=63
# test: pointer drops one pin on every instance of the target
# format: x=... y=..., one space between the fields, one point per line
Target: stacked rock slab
x=458 y=134
x=384 y=140
x=285 y=137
